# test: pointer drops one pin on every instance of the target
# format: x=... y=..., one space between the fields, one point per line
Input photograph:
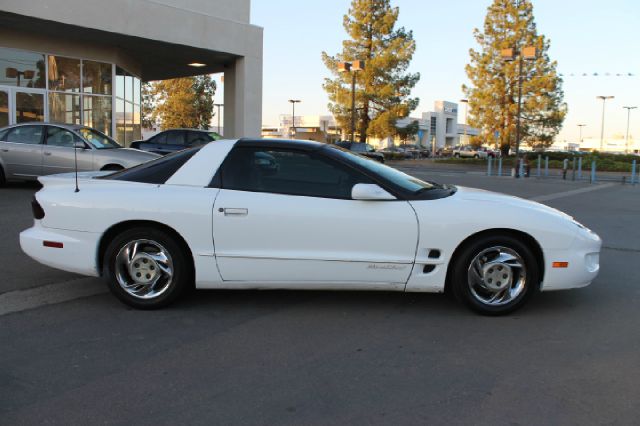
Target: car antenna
x=75 y=162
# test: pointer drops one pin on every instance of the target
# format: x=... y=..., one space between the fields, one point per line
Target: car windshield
x=402 y=180
x=97 y=139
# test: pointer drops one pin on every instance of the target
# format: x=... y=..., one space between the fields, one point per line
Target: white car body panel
x=286 y=241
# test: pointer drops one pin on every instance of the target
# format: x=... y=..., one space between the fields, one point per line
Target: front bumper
x=78 y=254
x=583 y=256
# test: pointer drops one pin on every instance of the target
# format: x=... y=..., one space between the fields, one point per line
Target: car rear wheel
x=146 y=268
x=495 y=275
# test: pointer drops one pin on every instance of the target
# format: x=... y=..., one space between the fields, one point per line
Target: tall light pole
x=604 y=100
x=218 y=106
x=628 y=108
x=580 y=126
x=529 y=53
x=353 y=68
x=466 y=110
x=293 y=116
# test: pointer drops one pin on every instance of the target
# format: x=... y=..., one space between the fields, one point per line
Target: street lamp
x=218 y=106
x=604 y=100
x=14 y=73
x=466 y=108
x=293 y=116
x=353 y=68
x=580 y=126
x=628 y=108
x=529 y=53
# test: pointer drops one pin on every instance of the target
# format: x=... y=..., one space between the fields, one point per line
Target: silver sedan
x=30 y=150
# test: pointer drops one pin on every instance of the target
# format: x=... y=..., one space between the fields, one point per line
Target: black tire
x=457 y=155
x=181 y=266
x=476 y=156
x=3 y=179
x=461 y=283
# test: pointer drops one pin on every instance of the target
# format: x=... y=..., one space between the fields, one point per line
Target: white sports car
x=269 y=214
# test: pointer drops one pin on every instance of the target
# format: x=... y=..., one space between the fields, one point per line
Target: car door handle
x=233 y=211
x=47 y=153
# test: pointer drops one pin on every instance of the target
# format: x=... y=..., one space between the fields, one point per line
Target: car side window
x=160 y=138
x=198 y=138
x=285 y=171
x=57 y=136
x=175 y=137
x=26 y=134
x=3 y=134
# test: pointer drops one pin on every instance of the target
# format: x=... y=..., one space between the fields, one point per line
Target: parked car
x=174 y=140
x=306 y=224
x=416 y=150
x=398 y=152
x=469 y=152
x=30 y=150
x=363 y=149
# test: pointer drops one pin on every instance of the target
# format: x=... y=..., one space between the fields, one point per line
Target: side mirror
x=79 y=145
x=369 y=191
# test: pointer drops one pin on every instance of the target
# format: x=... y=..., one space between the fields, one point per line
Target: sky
x=587 y=36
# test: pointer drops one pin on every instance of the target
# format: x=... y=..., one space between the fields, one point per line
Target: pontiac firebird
x=275 y=214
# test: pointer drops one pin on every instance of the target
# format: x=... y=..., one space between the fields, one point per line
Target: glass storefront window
x=120 y=73
x=20 y=68
x=128 y=133
x=64 y=74
x=128 y=88
x=64 y=108
x=96 y=77
x=120 y=121
x=137 y=127
x=29 y=107
x=97 y=113
x=4 y=108
x=136 y=90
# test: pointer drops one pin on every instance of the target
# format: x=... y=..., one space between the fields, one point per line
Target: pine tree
x=183 y=102
x=383 y=89
x=493 y=93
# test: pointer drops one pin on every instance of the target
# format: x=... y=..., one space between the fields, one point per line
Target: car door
x=197 y=138
x=59 y=152
x=286 y=216
x=21 y=151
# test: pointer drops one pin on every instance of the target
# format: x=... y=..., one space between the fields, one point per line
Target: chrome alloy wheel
x=497 y=276
x=144 y=269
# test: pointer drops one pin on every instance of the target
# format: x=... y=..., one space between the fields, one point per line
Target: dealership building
x=83 y=61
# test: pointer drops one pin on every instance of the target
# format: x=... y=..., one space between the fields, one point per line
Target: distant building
x=321 y=128
x=615 y=144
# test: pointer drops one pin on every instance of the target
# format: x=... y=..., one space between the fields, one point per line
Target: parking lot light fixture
x=604 y=101
x=580 y=126
x=352 y=67
x=628 y=108
x=466 y=110
x=293 y=116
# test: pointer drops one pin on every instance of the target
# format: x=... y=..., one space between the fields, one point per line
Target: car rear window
x=156 y=171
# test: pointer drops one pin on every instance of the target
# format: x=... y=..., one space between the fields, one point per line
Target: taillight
x=36 y=208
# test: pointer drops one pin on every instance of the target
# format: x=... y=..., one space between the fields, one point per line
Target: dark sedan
x=174 y=140
x=363 y=149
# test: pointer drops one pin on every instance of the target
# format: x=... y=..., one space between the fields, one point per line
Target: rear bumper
x=583 y=257
x=78 y=253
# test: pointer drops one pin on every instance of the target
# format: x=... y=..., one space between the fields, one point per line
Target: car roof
x=48 y=123
x=281 y=143
x=186 y=128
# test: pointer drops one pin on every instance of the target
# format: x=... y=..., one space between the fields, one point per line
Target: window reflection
x=20 y=68
x=96 y=77
x=97 y=113
x=29 y=107
x=64 y=108
x=4 y=109
x=64 y=74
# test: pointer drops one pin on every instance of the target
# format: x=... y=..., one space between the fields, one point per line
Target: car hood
x=127 y=154
x=481 y=195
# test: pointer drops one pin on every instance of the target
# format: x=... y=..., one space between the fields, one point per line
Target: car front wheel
x=146 y=268
x=495 y=275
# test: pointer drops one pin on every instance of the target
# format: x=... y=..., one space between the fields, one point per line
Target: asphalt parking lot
x=306 y=358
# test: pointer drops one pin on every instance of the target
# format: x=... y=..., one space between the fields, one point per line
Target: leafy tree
x=183 y=102
x=493 y=93
x=204 y=87
x=408 y=132
x=384 y=87
x=148 y=122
